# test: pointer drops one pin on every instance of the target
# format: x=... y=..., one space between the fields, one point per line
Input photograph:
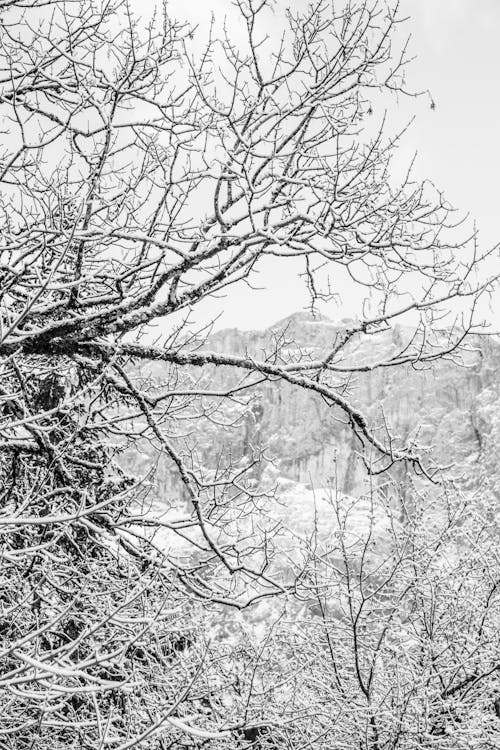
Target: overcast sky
x=458 y=143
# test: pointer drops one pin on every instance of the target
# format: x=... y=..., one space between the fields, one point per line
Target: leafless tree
x=401 y=650
x=142 y=174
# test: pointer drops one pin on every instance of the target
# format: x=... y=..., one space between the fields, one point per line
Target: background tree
x=407 y=619
x=141 y=177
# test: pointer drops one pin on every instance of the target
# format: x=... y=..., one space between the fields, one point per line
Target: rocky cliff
x=448 y=407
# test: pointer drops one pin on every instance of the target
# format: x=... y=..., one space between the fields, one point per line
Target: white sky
x=458 y=143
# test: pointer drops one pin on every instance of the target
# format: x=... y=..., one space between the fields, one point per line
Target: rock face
x=449 y=408
x=440 y=404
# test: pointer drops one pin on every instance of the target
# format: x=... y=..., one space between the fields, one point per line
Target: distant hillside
x=451 y=409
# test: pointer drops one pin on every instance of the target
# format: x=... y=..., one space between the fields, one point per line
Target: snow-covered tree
x=141 y=175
